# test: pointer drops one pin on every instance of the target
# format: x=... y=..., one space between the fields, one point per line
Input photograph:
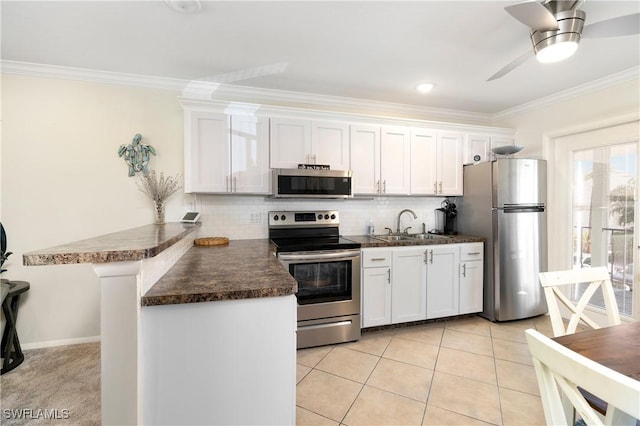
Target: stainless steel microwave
x=305 y=183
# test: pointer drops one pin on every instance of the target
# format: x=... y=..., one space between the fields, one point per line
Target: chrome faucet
x=400 y=215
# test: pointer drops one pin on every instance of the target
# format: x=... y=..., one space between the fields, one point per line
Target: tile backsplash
x=245 y=217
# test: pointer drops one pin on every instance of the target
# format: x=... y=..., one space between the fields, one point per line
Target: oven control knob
x=275 y=217
x=333 y=216
x=319 y=217
x=283 y=217
x=326 y=216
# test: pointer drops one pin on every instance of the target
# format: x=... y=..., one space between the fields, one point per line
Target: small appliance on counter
x=446 y=219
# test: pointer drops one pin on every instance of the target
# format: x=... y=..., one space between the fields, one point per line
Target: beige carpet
x=59 y=385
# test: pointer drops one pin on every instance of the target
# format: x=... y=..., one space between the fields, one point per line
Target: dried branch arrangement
x=159 y=189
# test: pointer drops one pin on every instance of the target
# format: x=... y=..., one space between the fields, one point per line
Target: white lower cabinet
x=471 y=277
x=408 y=285
x=442 y=280
x=376 y=287
x=413 y=283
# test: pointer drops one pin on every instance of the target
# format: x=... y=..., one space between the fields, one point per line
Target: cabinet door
x=290 y=142
x=408 y=285
x=376 y=296
x=330 y=144
x=364 y=147
x=479 y=145
x=250 y=171
x=471 y=278
x=395 y=160
x=442 y=281
x=450 y=164
x=423 y=162
x=206 y=152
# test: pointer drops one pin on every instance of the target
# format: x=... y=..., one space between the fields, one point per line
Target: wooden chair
x=597 y=278
x=560 y=371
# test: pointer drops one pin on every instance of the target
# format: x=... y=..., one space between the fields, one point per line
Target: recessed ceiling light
x=184 y=6
x=425 y=87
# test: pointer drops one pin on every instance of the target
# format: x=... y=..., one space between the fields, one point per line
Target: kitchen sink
x=411 y=237
x=428 y=237
x=393 y=237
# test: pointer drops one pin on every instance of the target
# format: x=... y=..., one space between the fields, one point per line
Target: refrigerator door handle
x=523 y=209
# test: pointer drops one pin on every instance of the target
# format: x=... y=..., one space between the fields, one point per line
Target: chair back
x=552 y=283
x=560 y=371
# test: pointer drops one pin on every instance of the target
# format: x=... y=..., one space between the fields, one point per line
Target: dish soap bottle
x=371 y=230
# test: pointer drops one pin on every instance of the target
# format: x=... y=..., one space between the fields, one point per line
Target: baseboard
x=62 y=342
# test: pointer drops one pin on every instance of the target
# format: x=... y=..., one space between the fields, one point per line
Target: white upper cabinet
x=477 y=149
x=250 y=172
x=299 y=141
x=365 y=159
x=380 y=160
x=330 y=144
x=436 y=162
x=225 y=153
x=481 y=146
x=449 y=164
x=395 y=157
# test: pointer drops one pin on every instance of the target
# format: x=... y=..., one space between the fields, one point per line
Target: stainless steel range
x=327 y=269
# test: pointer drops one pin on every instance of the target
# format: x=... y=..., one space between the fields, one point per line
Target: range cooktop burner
x=307 y=231
x=311 y=244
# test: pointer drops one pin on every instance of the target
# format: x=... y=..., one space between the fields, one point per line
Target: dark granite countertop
x=368 y=241
x=241 y=270
x=130 y=245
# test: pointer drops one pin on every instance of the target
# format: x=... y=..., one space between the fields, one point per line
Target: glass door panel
x=604 y=180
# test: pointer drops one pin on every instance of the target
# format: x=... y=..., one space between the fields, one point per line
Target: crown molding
x=215 y=91
x=581 y=90
x=204 y=90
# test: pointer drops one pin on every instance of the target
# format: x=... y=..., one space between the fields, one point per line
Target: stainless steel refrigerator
x=505 y=201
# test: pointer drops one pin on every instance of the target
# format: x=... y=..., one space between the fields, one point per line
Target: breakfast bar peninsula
x=189 y=334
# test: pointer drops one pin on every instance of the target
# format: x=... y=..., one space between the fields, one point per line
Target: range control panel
x=317 y=218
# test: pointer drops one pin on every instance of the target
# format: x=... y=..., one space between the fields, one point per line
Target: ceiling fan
x=557 y=27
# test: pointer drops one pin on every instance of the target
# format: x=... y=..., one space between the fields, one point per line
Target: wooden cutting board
x=211 y=241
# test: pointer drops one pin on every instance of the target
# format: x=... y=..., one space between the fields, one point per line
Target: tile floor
x=460 y=372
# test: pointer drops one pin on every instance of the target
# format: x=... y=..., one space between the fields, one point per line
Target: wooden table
x=616 y=347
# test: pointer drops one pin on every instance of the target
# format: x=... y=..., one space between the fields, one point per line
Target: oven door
x=328 y=282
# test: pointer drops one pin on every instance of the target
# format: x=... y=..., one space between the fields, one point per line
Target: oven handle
x=328 y=255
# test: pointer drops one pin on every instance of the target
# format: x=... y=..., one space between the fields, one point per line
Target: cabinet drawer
x=473 y=251
x=373 y=258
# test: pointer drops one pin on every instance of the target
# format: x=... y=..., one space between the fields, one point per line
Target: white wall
x=62 y=181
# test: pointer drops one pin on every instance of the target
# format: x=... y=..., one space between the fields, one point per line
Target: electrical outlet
x=255 y=217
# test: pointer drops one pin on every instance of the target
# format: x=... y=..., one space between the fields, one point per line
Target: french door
x=593 y=200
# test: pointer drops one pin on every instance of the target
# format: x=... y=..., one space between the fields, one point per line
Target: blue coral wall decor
x=136 y=155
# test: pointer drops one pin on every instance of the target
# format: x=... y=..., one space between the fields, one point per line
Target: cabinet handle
x=435 y=187
x=384 y=186
x=378 y=186
x=464 y=270
x=377 y=259
x=425 y=256
x=475 y=253
x=389 y=276
x=235 y=184
x=431 y=256
x=314 y=158
x=441 y=187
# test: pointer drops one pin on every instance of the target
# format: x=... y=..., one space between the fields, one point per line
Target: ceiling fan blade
x=511 y=65
x=614 y=27
x=534 y=15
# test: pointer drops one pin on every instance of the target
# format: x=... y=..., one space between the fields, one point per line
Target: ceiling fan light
x=425 y=87
x=556 y=52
